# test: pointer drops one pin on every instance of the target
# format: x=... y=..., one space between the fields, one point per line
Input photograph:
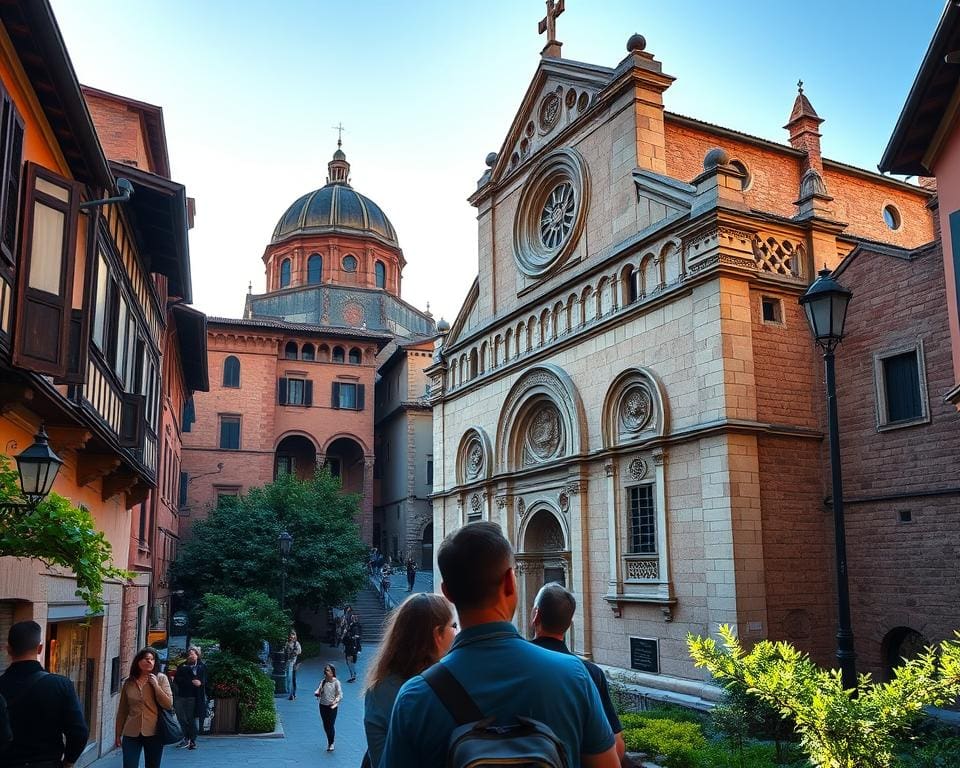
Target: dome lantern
x=338 y=169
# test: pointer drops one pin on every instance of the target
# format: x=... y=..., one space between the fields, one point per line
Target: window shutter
x=81 y=319
x=360 y=389
x=189 y=415
x=282 y=391
x=11 y=169
x=45 y=277
x=335 y=403
x=132 y=420
x=182 y=497
x=308 y=392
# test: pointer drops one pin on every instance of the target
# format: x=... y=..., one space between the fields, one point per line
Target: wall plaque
x=645 y=654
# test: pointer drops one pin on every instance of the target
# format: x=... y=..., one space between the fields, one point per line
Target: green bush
x=941 y=751
x=311 y=648
x=677 y=742
x=678 y=714
x=262 y=720
x=240 y=624
x=233 y=677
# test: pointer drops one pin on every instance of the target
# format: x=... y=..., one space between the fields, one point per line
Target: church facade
x=630 y=388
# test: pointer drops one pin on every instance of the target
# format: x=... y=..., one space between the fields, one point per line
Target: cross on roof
x=339 y=129
x=548 y=24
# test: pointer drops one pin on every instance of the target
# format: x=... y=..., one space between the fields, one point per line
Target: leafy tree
x=838 y=728
x=57 y=533
x=235 y=549
x=242 y=624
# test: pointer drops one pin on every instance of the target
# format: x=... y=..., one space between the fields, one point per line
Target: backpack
x=477 y=742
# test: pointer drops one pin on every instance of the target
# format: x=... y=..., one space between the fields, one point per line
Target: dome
x=334 y=208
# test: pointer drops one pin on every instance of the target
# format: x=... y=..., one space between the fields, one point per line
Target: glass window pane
x=348 y=396
x=643 y=527
x=902 y=382
x=294 y=391
x=121 y=338
x=46 y=249
x=100 y=309
x=54 y=190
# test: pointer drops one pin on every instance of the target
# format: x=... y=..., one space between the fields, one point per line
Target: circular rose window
x=349 y=263
x=551 y=212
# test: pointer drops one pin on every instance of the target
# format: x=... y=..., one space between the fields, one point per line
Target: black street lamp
x=38 y=466
x=286 y=542
x=825 y=303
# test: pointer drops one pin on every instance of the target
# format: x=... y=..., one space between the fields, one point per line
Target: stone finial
x=814 y=201
x=443 y=326
x=636 y=43
x=804 y=129
x=714 y=157
x=490 y=159
x=812 y=184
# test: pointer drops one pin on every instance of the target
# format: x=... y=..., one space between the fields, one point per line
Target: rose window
x=556 y=219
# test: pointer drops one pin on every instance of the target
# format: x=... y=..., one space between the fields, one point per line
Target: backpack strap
x=452 y=694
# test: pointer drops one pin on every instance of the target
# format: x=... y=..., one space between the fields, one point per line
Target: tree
x=242 y=624
x=235 y=549
x=838 y=728
x=57 y=533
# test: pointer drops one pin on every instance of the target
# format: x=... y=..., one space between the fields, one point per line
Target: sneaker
x=182 y=744
x=193 y=745
x=290 y=697
x=330 y=748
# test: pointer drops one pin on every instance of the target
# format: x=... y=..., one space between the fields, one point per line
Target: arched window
x=306 y=353
x=338 y=354
x=231 y=372
x=290 y=351
x=314 y=269
x=355 y=356
x=285 y=273
x=381 y=274
x=323 y=353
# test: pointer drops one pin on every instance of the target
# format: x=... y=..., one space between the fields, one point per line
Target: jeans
x=328 y=715
x=292 y=678
x=151 y=746
x=186 y=709
x=351 y=664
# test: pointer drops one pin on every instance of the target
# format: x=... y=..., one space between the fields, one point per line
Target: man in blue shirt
x=504 y=674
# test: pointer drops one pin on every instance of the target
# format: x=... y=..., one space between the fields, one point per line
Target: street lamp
x=825 y=303
x=38 y=466
x=286 y=542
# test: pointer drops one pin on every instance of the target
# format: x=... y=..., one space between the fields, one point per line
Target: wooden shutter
x=360 y=389
x=336 y=396
x=11 y=170
x=81 y=320
x=132 y=420
x=45 y=272
x=308 y=392
x=282 y=391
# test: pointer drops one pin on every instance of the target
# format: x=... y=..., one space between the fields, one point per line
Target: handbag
x=168 y=729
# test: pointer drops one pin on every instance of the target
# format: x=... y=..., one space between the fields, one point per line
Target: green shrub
x=678 y=714
x=677 y=742
x=261 y=720
x=938 y=752
x=240 y=624
x=311 y=648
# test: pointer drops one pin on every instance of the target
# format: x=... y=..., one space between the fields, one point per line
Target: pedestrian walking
x=190 y=703
x=352 y=646
x=46 y=722
x=291 y=655
x=143 y=694
x=330 y=694
x=419 y=633
x=411 y=573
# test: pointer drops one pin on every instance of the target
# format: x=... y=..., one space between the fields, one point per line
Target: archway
x=295 y=455
x=900 y=644
x=344 y=459
x=426 y=548
x=544 y=557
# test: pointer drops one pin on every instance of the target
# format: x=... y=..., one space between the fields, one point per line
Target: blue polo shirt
x=506 y=676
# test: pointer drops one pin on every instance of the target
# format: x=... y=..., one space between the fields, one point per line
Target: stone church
x=630 y=388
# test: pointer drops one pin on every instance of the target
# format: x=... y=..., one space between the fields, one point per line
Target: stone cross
x=339 y=129
x=548 y=24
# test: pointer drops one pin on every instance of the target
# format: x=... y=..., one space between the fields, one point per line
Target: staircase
x=368 y=607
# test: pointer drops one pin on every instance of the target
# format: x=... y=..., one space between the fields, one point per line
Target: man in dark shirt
x=45 y=716
x=553 y=610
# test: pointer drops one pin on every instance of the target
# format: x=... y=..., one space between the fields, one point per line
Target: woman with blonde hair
x=417 y=635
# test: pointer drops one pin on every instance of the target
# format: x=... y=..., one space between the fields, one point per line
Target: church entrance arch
x=544 y=557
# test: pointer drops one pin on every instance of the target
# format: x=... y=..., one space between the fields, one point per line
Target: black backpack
x=477 y=742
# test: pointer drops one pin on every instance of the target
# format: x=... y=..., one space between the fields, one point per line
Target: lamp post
x=825 y=303
x=37 y=466
x=286 y=542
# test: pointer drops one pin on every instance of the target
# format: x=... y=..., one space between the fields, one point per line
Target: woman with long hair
x=417 y=635
x=144 y=693
x=330 y=693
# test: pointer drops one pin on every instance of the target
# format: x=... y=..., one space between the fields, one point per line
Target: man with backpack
x=553 y=610
x=45 y=716
x=495 y=699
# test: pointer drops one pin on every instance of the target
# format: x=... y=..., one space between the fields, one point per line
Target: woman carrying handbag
x=145 y=700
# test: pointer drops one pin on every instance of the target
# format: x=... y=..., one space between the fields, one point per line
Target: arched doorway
x=426 y=549
x=344 y=459
x=901 y=643
x=295 y=455
x=545 y=557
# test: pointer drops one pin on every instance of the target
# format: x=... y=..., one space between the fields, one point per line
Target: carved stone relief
x=638 y=469
x=474 y=459
x=544 y=435
x=635 y=409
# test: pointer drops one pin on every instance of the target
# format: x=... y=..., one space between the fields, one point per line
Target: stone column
x=615 y=584
x=366 y=503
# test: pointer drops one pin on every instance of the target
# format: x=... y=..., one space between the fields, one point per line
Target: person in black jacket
x=351 y=646
x=190 y=698
x=45 y=716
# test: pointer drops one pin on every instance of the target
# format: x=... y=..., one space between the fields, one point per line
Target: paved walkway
x=304 y=743
x=398 y=585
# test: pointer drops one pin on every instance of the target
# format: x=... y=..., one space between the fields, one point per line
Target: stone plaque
x=645 y=654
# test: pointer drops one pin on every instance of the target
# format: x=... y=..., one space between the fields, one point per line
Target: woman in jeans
x=142 y=697
x=190 y=682
x=330 y=693
x=291 y=652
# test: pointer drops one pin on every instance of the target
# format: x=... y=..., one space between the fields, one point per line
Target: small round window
x=349 y=263
x=891 y=217
x=747 y=178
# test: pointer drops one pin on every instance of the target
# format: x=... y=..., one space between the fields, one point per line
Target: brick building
x=88 y=343
x=630 y=388
x=293 y=381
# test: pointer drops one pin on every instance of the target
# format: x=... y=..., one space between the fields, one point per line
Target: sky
x=251 y=91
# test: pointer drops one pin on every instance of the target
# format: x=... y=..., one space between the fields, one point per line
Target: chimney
x=804 y=128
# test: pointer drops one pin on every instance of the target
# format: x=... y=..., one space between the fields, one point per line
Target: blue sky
x=251 y=90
